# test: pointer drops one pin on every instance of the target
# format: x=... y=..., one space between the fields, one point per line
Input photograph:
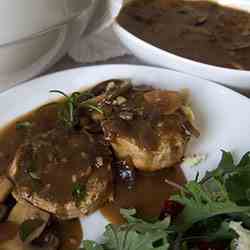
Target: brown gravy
x=70 y=234
x=199 y=30
x=147 y=196
x=8 y=231
x=11 y=138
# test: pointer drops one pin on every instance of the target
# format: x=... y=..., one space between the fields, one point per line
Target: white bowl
x=239 y=79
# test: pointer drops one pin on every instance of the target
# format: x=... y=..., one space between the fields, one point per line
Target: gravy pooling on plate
x=147 y=195
x=199 y=30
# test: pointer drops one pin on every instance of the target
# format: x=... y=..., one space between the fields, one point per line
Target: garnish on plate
x=78 y=193
x=68 y=112
x=136 y=234
x=213 y=213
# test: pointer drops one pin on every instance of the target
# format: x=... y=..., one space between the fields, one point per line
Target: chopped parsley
x=78 y=193
x=68 y=109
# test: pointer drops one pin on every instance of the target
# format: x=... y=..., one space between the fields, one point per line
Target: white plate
x=239 y=79
x=222 y=114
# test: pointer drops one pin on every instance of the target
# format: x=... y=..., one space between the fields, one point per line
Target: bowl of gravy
x=208 y=39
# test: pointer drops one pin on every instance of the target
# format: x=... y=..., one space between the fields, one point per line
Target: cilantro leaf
x=91 y=245
x=127 y=238
x=234 y=177
x=245 y=160
x=136 y=234
x=213 y=229
x=78 y=193
x=238 y=187
x=225 y=166
x=200 y=204
x=142 y=225
x=223 y=232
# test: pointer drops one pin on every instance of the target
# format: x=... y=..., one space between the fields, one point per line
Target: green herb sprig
x=68 y=112
x=78 y=193
x=136 y=234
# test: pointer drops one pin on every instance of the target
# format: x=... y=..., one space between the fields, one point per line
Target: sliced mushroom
x=166 y=101
x=5 y=188
x=118 y=88
x=36 y=218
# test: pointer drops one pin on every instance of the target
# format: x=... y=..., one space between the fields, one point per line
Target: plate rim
x=36 y=80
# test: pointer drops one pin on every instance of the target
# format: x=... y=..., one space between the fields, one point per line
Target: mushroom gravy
x=199 y=30
x=147 y=195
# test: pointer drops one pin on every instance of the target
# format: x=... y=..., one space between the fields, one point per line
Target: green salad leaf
x=136 y=234
x=200 y=204
x=91 y=245
x=224 y=191
x=226 y=166
x=141 y=225
x=235 y=177
x=128 y=238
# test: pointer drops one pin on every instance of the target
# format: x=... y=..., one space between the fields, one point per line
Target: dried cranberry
x=171 y=208
x=206 y=245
